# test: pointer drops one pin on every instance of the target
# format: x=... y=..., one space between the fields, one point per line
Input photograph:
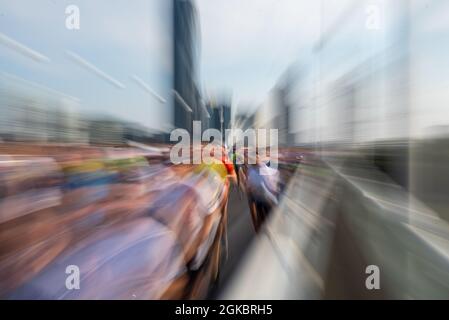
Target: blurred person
x=219 y=162
x=140 y=259
x=262 y=186
x=32 y=233
x=236 y=160
x=194 y=209
x=88 y=185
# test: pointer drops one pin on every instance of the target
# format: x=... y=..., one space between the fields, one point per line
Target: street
x=240 y=233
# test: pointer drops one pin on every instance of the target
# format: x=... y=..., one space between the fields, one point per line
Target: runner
x=261 y=190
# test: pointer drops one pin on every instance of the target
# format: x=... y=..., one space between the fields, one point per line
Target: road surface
x=240 y=234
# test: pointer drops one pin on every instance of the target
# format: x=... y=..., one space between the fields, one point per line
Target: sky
x=118 y=63
x=247 y=45
x=121 y=54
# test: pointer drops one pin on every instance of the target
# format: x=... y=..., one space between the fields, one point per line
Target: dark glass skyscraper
x=187 y=106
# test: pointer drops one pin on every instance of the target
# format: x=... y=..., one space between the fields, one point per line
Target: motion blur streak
x=357 y=91
x=369 y=108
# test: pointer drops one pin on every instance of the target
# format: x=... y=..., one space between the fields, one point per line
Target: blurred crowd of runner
x=137 y=226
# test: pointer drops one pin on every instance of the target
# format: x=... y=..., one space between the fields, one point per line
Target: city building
x=187 y=99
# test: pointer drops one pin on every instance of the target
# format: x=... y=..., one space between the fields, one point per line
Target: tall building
x=226 y=116
x=220 y=117
x=285 y=137
x=243 y=121
x=187 y=106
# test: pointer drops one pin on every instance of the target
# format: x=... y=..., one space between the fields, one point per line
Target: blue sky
x=245 y=46
x=119 y=37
